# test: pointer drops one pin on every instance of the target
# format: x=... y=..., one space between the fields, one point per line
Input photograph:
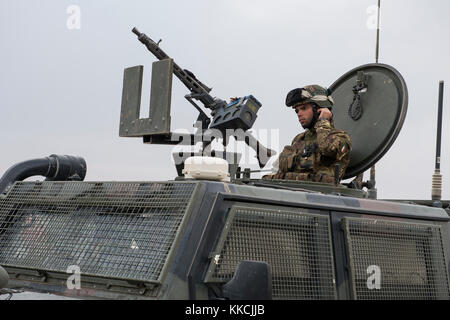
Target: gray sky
x=61 y=88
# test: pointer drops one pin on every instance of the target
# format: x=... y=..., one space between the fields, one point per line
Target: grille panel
x=108 y=229
x=410 y=257
x=295 y=244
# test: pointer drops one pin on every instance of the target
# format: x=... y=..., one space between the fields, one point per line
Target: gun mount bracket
x=158 y=122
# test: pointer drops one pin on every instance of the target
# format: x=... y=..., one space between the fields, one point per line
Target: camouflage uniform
x=314 y=153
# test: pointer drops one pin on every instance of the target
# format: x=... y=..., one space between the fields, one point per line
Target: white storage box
x=206 y=168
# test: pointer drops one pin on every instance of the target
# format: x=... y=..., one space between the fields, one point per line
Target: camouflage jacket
x=313 y=154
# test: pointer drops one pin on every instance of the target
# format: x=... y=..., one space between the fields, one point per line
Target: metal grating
x=409 y=256
x=121 y=230
x=295 y=244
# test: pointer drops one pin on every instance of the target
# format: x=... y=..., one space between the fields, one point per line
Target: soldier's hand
x=325 y=113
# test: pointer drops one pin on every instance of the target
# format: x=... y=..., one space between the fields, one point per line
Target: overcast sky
x=61 y=79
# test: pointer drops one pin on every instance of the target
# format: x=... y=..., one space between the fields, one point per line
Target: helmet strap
x=314 y=118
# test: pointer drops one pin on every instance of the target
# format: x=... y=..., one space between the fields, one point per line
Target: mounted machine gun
x=227 y=119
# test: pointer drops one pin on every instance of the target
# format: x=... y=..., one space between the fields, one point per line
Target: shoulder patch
x=343 y=148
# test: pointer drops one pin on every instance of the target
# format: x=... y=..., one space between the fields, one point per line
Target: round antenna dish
x=370 y=104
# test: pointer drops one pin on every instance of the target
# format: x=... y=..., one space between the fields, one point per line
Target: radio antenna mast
x=377 y=47
x=437 y=178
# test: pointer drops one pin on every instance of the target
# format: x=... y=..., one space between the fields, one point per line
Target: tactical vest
x=313 y=154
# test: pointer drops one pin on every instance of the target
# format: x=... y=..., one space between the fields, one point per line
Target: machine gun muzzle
x=151 y=45
x=137 y=32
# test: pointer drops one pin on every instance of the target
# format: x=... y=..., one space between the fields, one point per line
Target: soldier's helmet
x=310 y=94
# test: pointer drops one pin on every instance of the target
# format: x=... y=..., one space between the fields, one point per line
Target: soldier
x=314 y=153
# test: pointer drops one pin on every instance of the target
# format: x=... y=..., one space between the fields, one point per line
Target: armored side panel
x=396 y=260
x=119 y=236
x=327 y=247
x=296 y=244
x=184 y=240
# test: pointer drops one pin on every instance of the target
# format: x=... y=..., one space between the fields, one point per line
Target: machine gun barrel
x=198 y=89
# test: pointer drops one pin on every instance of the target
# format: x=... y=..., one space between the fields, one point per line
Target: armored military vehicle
x=214 y=232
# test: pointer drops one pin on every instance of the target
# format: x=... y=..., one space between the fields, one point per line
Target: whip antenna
x=436 y=188
x=377 y=49
x=378 y=33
